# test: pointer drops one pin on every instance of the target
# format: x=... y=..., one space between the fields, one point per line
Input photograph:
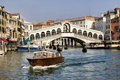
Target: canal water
x=94 y=65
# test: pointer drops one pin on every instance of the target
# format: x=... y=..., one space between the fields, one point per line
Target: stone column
x=69 y=41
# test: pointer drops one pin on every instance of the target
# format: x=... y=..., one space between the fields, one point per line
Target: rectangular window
x=3 y=14
x=10 y=34
x=0 y=12
x=80 y=22
x=3 y=22
x=15 y=35
x=0 y=28
x=3 y=29
x=0 y=21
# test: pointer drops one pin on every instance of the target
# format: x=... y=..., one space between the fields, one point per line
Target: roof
x=2 y=6
x=78 y=18
x=51 y=21
x=117 y=8
x=15 y=13
x=44 y=23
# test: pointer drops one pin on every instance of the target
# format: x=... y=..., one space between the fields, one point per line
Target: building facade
x=11 y=28
x=109 y=16
x=86 y=22
x=100 y=23
x=28 y=29
x=107 y=24
x=115 y=25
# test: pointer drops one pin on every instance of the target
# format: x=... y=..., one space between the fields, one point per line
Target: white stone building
x=86 y=22
x=28 y=28
x=100 y=23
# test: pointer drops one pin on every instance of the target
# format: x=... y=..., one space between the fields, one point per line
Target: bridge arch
x=37 y=36
x=80 y=32
x=47 y=33
x=32 y=37
x=66 y=27
x=58 y=30
x=95 y=36
x=42 y=34
x=53 y=32
x=90 y=34
x=85 y=33
x=74 y=30
x=100 y=37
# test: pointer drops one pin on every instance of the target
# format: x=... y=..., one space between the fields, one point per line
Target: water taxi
x=46 y=58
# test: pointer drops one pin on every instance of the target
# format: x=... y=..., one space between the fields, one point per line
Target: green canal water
x=94 y=65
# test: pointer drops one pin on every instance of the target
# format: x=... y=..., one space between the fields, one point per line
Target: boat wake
x=45 y=67
x=39 y=68
x=82 y=63
x=26 y=67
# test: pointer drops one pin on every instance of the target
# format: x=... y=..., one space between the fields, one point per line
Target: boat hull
x=45 y=61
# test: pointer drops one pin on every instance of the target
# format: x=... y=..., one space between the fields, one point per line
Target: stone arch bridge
x=65 y=34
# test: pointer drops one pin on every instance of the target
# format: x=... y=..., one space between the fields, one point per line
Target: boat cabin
x=46 y=54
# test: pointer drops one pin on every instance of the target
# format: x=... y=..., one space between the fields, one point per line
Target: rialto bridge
x=65 y=34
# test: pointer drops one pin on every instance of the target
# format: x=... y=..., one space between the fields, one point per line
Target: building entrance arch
x=66 y=27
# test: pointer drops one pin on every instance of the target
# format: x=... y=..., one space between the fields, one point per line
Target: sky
x=42 y=10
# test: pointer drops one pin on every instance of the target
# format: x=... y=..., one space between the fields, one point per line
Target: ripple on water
x=93 y=65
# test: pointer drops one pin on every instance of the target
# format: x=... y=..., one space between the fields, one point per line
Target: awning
x=3 y=40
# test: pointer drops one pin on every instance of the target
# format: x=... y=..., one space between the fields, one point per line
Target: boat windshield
x=46 y=54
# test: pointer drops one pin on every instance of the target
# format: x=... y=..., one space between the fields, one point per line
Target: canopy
x=3 y=40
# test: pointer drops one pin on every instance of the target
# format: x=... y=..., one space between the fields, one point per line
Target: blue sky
x=42 y=10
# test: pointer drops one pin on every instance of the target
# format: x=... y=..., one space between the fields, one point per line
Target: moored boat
x=28 y=47
x=46 y=58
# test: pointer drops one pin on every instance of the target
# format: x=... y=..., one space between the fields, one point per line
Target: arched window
x=85 y=33
x=80 y=32
x=42 y=34
x=58 y=30
x=100 y=37
x=53 y=32
x=47 y=33
x=90 y=34
x=74 y=31
x=116 y=28
x=37 y=36
x=95 y=36
x=31 y=37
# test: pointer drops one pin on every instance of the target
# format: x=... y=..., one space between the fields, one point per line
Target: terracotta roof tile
x=15 y=13
x=78 y=18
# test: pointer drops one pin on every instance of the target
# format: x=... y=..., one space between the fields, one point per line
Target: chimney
x=102 y=15
x=22 y=20
x=117 y=11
